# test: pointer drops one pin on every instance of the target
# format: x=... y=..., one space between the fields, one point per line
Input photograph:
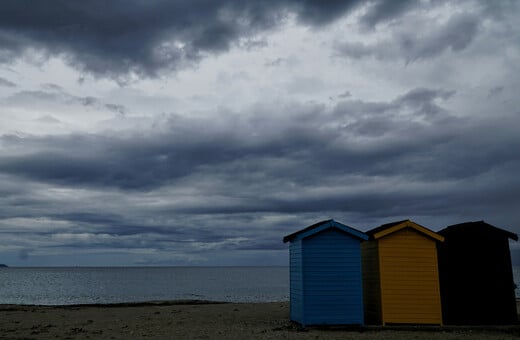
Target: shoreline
x=161 y=303
x=205 y=319
x=129 y=304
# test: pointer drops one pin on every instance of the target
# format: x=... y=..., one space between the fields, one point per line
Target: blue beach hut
x=325 y=274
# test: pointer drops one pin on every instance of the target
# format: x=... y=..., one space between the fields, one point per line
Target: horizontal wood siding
x=409 y=278
x=332 y=283
x=296 y=281
x=371 y=284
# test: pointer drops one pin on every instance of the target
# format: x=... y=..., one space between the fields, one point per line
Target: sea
x=103 y=285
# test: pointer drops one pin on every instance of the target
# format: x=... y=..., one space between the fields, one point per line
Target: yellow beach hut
x=400 y=275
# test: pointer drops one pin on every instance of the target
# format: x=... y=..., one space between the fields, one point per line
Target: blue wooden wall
x=296 y=281
x=326 y=286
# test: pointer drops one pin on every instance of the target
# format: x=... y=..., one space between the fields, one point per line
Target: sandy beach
x=189 y=320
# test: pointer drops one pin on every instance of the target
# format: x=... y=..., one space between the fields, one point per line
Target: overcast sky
x=202 y=132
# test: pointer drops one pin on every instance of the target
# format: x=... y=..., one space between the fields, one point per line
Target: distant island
x=3 y=265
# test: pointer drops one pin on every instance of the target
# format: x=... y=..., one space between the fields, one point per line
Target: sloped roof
x=392 y=227
x=324 y=225
x=469 y=227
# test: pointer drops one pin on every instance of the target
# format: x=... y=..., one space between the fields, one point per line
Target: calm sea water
x=62 y=286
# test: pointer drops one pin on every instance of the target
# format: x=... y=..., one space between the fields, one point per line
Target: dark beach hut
x=476 y=274
x=400 y=275
x=325 y=274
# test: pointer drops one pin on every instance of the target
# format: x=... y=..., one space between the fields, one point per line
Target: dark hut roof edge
x=323 y=225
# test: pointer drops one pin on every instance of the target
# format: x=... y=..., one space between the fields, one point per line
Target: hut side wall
x=476 y=276
x=409 y=276
x=508 y=287
x=371 y=283
x=296 y=281
x=332 y=288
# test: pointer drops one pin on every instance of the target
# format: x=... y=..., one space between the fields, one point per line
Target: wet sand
x=189 y=320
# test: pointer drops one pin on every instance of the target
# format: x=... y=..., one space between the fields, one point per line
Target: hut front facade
x=400 y=275
x=325 y=275
x=476 y=274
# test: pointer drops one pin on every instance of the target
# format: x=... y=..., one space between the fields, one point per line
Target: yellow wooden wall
x=409 y=278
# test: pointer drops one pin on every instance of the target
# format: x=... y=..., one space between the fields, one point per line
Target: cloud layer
x=233 y=123
x=186 y=185
x=118 y=38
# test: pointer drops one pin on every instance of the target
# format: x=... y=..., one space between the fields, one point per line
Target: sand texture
x=201 y=321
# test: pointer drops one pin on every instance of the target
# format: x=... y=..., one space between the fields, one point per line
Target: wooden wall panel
x=409 y=278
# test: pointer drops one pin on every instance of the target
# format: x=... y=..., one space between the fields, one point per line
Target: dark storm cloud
x=52 y=87
x=297 y=148
x=499 y=9
x=220 y=218
x=423 y=101
x=317 y=12
x=495 y=91
x=454 y=35
x=116 y=108
x=268 y=152
x=115 y=38
x=6 y=83
x=275 y=62
x=53 y=95
x=201 y=186
x=380 y=11
x=177 y=188
x=30 y=96
x=38 y=96
x=129 y=231
x=345 y=94
x=48 y=119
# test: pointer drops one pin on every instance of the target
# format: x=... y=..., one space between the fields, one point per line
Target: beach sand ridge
x=188 y=320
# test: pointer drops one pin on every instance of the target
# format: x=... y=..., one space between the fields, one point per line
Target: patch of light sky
x=240 y=78
x=295 y=65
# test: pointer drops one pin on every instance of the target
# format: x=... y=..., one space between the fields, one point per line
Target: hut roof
x=392 y=227
x=469 y=227
x=323 y=225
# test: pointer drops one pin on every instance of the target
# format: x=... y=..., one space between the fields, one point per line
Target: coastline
x=203 y=320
